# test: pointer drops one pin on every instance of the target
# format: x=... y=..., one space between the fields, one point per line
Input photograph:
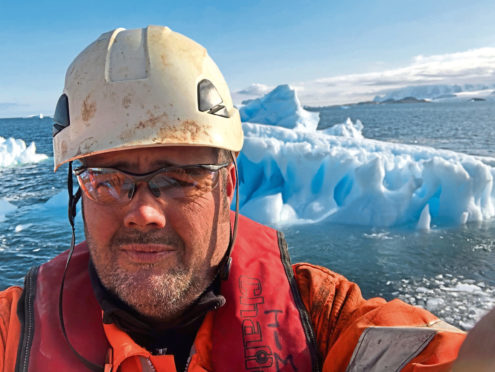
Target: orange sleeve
x=340 y=314
x=440 y=354
x=10 y=328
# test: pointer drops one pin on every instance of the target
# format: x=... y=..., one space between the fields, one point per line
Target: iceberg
x=280 y=107
x=15 y=152
x=293 y=173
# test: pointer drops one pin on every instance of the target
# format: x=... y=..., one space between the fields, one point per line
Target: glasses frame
x=144 y=177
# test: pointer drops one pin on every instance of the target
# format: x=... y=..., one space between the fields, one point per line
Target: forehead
x=150 y=158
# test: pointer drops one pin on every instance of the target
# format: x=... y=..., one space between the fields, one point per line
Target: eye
x=172 y=185
x=182 y=177
x=106 y=180
x=107 y=186
x=181 y=183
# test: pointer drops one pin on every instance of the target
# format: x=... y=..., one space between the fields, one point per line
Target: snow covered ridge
x=441 y=92
x=301 y=175
x=15 y=152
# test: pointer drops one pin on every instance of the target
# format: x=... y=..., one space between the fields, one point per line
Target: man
x=168 y=279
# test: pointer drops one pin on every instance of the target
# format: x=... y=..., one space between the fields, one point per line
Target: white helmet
x=143 y=88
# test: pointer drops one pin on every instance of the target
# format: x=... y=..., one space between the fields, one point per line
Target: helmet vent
x=128 y=58
x=209 y=99
x=61 y=117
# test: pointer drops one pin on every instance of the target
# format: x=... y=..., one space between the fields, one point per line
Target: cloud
x=255 y=90
x=475 y=66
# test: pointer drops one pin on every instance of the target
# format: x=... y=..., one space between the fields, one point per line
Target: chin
x=159 y=296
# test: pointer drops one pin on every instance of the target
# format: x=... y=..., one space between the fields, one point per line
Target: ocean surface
x=449 y=270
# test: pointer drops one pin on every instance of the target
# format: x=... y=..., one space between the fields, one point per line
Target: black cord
x=73 y=199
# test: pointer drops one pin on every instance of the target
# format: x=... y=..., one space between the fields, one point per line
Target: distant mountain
x=438 y=92
x=389 y=101
x=405 y=100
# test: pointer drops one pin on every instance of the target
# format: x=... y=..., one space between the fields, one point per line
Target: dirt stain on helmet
x=129 y=135
x=193 y=129
x=63 y=148
x=164 y=60
x=87 y=146
x=187 y=132
x=152 y=120
x=88 y=108
x=126 y=101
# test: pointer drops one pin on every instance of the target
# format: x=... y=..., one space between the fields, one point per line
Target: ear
x=82 y=207
x=230 y=182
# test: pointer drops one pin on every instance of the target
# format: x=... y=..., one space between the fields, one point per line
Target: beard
x=158 y=294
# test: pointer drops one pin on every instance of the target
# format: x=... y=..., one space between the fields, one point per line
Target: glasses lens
x=187 y=182
x=111 y=186
x=106 y=186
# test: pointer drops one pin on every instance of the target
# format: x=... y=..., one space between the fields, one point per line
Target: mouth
x=147 y=253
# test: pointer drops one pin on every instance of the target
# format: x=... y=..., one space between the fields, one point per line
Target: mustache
x=152 y=237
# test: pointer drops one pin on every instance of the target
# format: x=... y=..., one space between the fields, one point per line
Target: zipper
x=150 y=365
x=187 y=363
x=29 y=287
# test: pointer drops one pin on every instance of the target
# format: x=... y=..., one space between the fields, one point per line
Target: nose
x=145 y=211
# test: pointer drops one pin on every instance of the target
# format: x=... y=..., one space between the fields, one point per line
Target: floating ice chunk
x=378 y=236
x=347 y=129
x=270 y=209
x=465 y=287
x=453 y=299
x=434 y=303
x=5 y=208
x=424 y=222
x=55 y=208
x=423 y=290
x=59 y=200
x=15 y=152
x=19 y=228
x=280 y=107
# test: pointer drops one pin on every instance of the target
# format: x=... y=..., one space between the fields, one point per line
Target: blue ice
x=293 y=173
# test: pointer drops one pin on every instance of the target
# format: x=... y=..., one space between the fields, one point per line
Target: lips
x=147 y=253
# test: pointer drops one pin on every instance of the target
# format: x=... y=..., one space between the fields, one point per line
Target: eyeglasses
x=113 y=186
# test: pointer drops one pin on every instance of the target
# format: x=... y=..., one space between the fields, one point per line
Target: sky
x=332 y=52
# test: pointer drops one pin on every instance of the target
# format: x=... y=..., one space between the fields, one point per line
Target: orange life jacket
x=264 y=325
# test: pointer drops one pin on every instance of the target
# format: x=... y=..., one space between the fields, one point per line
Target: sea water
x=448 y=270
x=467 y=127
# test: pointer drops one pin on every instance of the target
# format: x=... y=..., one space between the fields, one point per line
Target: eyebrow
x=157 y=164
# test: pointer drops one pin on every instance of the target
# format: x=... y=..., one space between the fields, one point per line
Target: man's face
x=159 y=254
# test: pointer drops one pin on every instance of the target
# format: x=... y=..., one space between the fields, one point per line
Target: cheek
x=99 y=223
x=192 y=221
x=195 y=223
x=204 y=226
